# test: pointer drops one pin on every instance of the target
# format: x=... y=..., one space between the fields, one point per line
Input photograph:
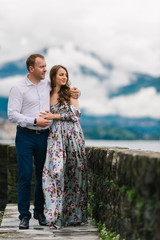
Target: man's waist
x=36 y=131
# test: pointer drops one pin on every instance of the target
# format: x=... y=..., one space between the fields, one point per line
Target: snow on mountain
x=105 y=90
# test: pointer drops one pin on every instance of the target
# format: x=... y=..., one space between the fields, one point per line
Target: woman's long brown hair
x=64 y=92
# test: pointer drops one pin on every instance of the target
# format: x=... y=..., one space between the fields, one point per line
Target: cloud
x=94 y=91
x=124 y=33
x=144 y=103
x=68 y=55
x=5 y=85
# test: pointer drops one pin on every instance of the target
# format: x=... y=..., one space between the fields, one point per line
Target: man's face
x=39 y=69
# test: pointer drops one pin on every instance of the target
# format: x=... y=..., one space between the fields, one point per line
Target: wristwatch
x=35 y=122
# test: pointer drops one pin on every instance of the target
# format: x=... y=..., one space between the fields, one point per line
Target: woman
x=64 y=173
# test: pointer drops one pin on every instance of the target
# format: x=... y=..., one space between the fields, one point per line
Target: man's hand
x=75 y=92
x=43 y=122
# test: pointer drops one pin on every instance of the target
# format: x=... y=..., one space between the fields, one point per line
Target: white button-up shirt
x=27 y=100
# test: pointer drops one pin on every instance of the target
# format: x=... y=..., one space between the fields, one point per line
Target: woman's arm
x=74 y=102
x=72 y=115
x=74 y=112
x=69 y=116
x=48 y=115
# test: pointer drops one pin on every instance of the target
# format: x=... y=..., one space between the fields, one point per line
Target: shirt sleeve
x=14 y=109
x=72 y=115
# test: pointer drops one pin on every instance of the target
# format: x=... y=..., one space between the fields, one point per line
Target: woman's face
x=61 y=77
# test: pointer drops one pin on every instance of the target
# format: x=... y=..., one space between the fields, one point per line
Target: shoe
x=52 y=226
x=24 y=223
x=41 y=218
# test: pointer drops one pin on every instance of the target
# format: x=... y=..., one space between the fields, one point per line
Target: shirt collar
x=28 y=82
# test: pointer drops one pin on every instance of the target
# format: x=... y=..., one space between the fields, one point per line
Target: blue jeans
x=29 y=145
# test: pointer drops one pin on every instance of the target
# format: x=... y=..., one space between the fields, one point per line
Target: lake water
x=138 y=144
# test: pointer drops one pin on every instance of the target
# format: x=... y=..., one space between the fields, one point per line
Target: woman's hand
x=47 y=115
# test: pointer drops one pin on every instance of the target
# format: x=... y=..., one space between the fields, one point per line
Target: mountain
x=3 y=107
x=108 y=126
x=18 y=67
x=141 y=81
x=117 y=127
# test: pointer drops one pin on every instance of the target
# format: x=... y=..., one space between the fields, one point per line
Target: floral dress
x=65 y=170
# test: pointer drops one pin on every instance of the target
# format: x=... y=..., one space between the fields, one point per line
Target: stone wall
x=124 y=191
x=9 y=175
x=3 y=175
x=12 y=174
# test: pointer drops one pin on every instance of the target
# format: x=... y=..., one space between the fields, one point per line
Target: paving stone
x=10 y=229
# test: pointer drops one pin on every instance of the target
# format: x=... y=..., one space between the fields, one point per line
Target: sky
x=123 y=33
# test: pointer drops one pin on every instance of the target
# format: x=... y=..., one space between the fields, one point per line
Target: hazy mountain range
x=105 y=125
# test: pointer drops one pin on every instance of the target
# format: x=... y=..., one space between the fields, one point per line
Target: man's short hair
x=31 y=60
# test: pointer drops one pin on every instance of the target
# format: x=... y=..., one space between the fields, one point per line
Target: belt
x=32 y=130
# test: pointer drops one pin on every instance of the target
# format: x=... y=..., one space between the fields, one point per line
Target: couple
x=55 y=139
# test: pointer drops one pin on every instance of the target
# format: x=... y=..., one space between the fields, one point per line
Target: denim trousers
x=30 y=147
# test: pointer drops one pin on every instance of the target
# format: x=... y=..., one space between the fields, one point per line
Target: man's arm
x=75 y=92
x=14 y=111
x=14 y=108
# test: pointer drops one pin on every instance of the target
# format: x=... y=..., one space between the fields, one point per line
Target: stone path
x=10 y=230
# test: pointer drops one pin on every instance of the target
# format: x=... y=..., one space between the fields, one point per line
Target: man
x=27 y=99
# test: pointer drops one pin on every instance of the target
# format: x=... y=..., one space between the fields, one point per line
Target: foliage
x=89 y=210
x=132 y=194
x=1 y=217
x=107 y=235
x=110 y=182
x=123 y=189
x=101 y=204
